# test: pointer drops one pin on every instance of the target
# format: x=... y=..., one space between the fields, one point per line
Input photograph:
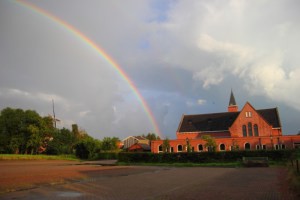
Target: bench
x=255 y=161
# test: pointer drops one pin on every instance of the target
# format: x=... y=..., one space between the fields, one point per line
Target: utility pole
x=54 y=119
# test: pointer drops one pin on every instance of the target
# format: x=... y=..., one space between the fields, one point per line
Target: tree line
x=26 y=132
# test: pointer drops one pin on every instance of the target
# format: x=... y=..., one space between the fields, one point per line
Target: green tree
x=166 y=145
x=63 y=142
x=151 y=137
x=35 y=139
x=210 y=142
x=87 y=148
x=110 y=144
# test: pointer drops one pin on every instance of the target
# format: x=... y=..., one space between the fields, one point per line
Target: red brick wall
x=249 y=114
x=270 y=142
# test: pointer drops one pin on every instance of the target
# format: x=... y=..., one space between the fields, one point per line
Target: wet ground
x=73 y=180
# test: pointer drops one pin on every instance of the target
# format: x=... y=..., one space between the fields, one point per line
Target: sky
x=183 y=57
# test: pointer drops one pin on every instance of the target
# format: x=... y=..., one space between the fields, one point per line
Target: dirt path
x=98 y=182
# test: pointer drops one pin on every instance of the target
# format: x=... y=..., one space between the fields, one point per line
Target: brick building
x=247 y=129
x=131 y=140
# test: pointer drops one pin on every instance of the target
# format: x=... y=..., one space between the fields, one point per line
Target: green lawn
x=36 y=157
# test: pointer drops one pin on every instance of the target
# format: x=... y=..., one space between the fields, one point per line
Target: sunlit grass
x=36 y=157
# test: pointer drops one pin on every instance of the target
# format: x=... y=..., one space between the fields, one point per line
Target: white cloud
x=199 y=48
x=201 y=101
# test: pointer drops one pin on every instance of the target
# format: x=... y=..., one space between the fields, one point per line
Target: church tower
x=232 y=107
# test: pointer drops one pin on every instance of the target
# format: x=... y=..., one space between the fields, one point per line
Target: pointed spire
x=232 y=100
x=232 y=107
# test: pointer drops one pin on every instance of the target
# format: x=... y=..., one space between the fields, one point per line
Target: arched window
x=160 y=149
x=255 y=130
x=244 y=131
x=179 y=148
x=247 y=146
x=200 y=147
x=257 y=147
x=250 y=129
x=222 y=147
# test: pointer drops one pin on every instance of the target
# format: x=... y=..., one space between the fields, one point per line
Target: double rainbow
x=101 y=52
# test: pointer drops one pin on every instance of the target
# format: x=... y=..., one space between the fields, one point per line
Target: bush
x=107 y=155
x=87 y=148
x=202 y=157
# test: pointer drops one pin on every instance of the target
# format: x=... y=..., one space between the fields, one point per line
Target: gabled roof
x=222 y=121
x=271 y=116
x=145 y=147
x=207 y=122
x=135 y=137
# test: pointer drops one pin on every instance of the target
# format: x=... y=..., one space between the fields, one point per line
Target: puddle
x=69 y=194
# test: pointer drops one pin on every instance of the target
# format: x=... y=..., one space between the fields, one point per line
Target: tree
x=87 y=148
x=166 y=145
x=109 y=144
x=35 y=139
x=210 y=142
x=63 y=142
x=151 y=137
x=75 y=130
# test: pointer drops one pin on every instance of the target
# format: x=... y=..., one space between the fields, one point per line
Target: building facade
x=131 y=140
x=247 y=129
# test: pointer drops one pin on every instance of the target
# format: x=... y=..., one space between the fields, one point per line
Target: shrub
x=202 y=157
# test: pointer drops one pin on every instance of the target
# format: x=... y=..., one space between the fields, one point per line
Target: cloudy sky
x=183 y=56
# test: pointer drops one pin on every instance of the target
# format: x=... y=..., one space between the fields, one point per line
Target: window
x=171 y=149
x=248 y=114
x=160 y=149
x=179 y=148
x=257 y=147
x=276 y=147
x=255 y=130
x=264 y=147
x=250 y=129
x=222 y=147
x=247 y=146
x=283 y=146
x=200 y=147
x=244 y=131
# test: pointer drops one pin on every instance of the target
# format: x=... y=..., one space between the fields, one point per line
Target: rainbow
x=101 y=52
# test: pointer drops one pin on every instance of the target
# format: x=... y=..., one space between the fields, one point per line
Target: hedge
x=202 y=157
x=107 y=156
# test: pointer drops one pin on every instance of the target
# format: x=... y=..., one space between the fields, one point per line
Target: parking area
x=73 y=180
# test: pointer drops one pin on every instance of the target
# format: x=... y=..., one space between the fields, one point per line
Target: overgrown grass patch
x=37 y=157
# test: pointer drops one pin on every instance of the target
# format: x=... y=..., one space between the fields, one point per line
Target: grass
x=36 y=157
x=229 y=164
